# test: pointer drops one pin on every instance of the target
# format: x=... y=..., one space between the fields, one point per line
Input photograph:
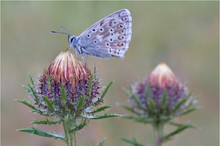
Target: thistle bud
x=65 y=82
x=160 y=94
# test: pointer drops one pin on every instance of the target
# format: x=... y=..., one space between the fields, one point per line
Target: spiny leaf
x=151 y=105
x=139 y=119
x=132 y=142
x=41 y=133
x=134 y=97
x=46 y=122
x=79 y=127
x=102 y=108
x=27 y=104
x=63 y=95
x=147 y=92
x=90 y=86
x=180 y=103
x=48 y=83
x=106 y=89
x=180 y=128
x=164 y=99
x=48 y=103
x=27 y=89
x=102 y=142
x=32 y=81
x=43 y=113
x=103 y=116
x=149 y=100
x=80 y=103
x=34 y=93
x=190 y=110
x=130 y=109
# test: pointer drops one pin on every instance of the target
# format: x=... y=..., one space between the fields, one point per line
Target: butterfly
x=107 y=38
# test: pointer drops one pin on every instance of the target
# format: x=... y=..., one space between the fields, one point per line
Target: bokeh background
x=184 y=35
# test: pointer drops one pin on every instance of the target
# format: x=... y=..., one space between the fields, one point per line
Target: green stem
x=68 y=134
x=159 y=134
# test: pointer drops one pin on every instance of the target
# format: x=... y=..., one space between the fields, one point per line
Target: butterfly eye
x=71 y=40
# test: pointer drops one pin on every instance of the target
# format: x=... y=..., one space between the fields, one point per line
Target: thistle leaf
x=132 y=142
x=48 y=103
x=34 y=93
x=180 y=103
x=134 y=97
x=103 y=116
x=80 y=103
x=102 y=108
x=48 y=83
x=41 y=133
x=46 y=122
x=63 y=95
x=27 y=104
x=190 y=110
x=106 y=89
x=79 y=127
x=90 y=86
x=139 y=119
x=32 y=81
x=181 y=127
x=148 y=92
x=164 y=99
x=150 y=102
x=130 y=109
x=27 y=89
x=152 y=105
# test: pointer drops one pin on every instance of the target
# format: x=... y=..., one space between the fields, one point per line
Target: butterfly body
x=107 y=38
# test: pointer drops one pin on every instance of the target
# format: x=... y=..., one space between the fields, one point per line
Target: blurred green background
x=184 y=35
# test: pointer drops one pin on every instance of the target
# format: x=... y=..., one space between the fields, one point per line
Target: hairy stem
x=159 y=134
x=68 y=134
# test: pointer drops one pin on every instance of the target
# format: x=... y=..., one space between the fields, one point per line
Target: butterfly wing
x=109 y=37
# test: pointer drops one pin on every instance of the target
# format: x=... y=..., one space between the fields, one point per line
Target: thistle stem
x=68 y=134
x=159 y=134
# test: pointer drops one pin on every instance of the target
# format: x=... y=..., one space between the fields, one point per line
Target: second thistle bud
x=160 y=95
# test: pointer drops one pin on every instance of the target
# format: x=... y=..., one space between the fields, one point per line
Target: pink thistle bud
x=152 y=89
x=67 y=76
x=66 y=68
x=162 y=76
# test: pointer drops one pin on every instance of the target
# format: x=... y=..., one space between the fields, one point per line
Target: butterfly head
x=71 y=39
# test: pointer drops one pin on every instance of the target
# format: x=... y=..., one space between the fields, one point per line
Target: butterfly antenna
x=65 y=31
x=58 y=32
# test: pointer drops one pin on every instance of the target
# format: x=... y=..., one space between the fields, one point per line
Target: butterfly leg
x=67 y=49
